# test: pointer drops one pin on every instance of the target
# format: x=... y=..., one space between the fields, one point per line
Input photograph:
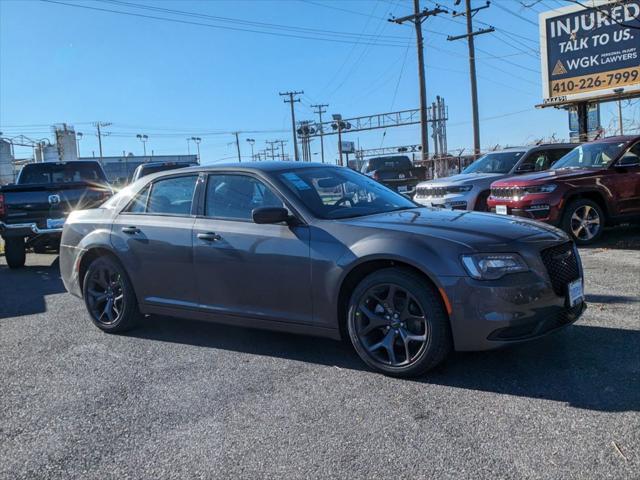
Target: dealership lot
x=181 y=399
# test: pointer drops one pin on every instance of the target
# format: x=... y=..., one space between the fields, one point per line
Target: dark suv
x=396 y=172
x=595 y=184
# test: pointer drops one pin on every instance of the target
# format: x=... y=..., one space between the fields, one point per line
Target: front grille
x=507 y=192
x=562 y=266
x=431 y=191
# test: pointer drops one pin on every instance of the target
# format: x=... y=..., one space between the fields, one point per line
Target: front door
x=624 y=183
x=242 y=268
x=153 y=238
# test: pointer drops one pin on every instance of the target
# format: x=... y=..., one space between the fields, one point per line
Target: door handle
x=209 y=236
x=130 y=230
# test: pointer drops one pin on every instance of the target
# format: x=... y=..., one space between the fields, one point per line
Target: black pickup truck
x=33 y=210
x=396 y=172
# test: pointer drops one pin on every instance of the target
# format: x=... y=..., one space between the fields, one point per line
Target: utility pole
x=238 y=146
x=293 y=118
x=98 y=126
x=417 y=18
x=469 y=14
x=251 y=142
x=282 y=142
x=197 y=141
x=272 y=148
x=320 y=111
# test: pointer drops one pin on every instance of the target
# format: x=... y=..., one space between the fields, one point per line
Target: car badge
x=54 y=199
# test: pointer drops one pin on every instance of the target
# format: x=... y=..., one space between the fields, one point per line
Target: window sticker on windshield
x=296 y=181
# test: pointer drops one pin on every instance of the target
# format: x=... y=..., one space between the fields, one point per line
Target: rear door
x=246 y=269
x=153 y=238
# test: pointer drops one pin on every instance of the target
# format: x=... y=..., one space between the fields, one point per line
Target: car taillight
x=2 y=209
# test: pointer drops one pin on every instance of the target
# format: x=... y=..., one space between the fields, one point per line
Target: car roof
x=162 y=164
x=269 y=166
x=618 y=139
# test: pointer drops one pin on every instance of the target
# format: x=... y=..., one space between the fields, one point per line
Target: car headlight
x=491 y=266
x=460 y=189
x=547 y=188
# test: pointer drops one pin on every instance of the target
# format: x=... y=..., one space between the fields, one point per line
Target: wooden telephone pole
x=469 y=13
x=293 y=118
x=417 y=18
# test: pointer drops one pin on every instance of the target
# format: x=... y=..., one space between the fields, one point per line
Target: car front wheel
x=109 y=296
x=397 y=323
x=584 y=220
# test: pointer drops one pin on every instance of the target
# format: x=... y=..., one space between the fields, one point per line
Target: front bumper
x=517 y=308
x=542 y=207
x=452 y=202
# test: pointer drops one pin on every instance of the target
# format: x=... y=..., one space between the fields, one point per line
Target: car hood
x=475 y=230
x=464 y=179
x=546 y=176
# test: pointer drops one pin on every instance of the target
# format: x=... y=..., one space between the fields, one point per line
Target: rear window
x=61 y=173
x=389 y=163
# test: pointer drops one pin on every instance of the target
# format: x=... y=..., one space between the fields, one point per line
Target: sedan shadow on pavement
x=23 y=291
x=587 y=367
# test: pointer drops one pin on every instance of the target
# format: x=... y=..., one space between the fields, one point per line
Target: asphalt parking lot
x=181 y=399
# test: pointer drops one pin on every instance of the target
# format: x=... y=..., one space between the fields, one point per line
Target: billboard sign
x=590 y=53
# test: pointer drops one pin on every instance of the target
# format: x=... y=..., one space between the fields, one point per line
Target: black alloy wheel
x=109 y=296
x=397 y=323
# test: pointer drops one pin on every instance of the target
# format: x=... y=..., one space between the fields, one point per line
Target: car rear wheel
x=15 y=252
x=397 y=323
x=584 y=220
x=109 y=296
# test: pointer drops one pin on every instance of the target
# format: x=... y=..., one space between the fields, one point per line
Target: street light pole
x=252 y=141
x=619 y=92
x=78 y=138
x=197 y=141
x=143 y=139
x=188 y=146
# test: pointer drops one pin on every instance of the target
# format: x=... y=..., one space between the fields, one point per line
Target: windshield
x=61 y=173
x=591 y=155
x=495 y=162
x=337 y=192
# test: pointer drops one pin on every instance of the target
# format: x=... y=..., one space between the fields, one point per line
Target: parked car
x=396 y=172
x=262 y=245
x=33 y=209
x=154 y=167
x=594 y=185
x=470 y=189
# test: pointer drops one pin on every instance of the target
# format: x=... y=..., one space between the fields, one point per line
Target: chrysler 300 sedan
x=320 y=250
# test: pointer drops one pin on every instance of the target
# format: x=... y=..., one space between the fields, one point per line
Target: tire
x=572 y=221
x=15 y=252
x=106 y=281
x=379 y=323
x=481 y=202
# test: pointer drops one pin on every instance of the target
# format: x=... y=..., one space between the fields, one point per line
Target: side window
x=557 y=154
x=634 y=152
x=235 y=196
x=139 y=203
x=541 y=162
x=172 y=196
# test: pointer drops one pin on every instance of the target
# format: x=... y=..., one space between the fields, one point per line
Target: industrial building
x=65 y=149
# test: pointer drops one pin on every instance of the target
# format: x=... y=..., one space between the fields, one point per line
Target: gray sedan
x=320 y=250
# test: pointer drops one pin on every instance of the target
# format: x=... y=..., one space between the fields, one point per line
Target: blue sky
x=171 y=80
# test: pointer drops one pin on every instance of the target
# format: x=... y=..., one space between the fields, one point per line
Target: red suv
x=594 y=185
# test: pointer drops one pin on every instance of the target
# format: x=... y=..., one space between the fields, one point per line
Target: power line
x=387 y=43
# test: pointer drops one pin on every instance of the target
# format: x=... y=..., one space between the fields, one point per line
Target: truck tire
x=584 y=221
x=14 y=252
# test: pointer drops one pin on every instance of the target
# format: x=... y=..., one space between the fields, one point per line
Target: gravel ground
x=182 y=399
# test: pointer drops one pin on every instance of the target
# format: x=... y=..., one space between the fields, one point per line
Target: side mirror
x=270 y=215
x=526 y=168
x=628 y=160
